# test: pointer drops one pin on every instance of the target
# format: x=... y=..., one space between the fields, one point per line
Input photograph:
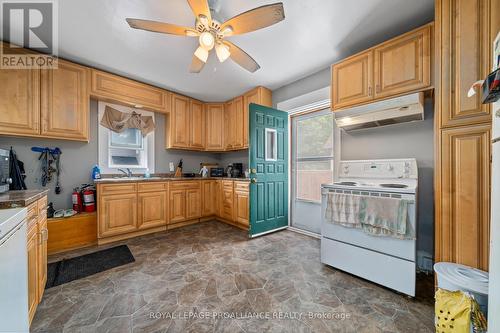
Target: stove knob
x=346 y=169
x=390 y=168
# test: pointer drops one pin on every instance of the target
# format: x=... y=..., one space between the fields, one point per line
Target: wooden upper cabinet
x=259 y=95
x=462 y=57
x=197 y=125
x=65 y=102
x=238 y=122
x=464 y=194
x=399 y=66
x=117 y=214
x=403 y=64
x=229 y=130
x=352 y=80
x=20 y=102
x=151 y=209
x=214 y=127
x=179 y=127
x=114 y=88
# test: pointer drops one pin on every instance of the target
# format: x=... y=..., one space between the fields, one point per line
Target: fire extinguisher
x=76 y=198
x=88 y=195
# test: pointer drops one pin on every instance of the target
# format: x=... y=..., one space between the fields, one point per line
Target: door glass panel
x=271 y=146
x=312 y=165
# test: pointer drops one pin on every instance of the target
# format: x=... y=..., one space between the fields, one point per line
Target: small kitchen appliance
x=5 y=179
x=237 y=170
x=216 y=172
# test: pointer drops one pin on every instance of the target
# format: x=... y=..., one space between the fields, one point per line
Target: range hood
x=389 y=112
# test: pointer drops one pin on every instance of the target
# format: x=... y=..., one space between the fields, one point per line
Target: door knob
x=254 y=170
x=254 y=180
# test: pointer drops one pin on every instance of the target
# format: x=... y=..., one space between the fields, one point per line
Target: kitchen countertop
x=163 y=179
x=13 y=199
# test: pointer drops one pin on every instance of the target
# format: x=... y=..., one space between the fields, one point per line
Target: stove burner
x=346 y=183
x=394 y=185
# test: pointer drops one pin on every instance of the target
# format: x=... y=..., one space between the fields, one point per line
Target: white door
x=312 y=157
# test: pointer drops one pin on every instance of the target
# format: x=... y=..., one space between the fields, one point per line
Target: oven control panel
x=399 y=168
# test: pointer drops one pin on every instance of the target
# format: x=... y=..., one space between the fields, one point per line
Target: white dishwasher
x=13 y=271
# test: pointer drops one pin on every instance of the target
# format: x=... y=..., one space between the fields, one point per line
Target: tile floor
x=210 y=278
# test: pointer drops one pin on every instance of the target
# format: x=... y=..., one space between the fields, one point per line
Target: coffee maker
x=237 y=170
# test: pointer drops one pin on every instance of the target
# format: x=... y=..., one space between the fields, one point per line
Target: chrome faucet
x=127 y=173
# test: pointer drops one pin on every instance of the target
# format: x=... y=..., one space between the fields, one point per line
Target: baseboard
x=233 y=223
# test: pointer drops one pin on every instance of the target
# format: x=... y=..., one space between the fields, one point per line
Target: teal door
x=268 y=170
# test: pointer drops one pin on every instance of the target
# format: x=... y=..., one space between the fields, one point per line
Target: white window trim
x=104 y=139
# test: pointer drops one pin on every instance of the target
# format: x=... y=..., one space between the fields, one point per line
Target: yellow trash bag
x=456 y=311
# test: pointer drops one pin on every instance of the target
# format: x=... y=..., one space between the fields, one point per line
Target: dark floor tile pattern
x=213 y=267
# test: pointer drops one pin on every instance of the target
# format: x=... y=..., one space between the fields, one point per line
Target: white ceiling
x=315 y=34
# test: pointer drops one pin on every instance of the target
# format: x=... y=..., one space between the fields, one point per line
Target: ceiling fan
x=211 y=33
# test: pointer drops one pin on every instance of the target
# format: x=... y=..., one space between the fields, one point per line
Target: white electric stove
x=388 y=261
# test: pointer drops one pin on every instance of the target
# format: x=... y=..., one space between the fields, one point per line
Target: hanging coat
x=17 y=173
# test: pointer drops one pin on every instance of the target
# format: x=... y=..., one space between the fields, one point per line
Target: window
x=313 y=147
x=128 y=149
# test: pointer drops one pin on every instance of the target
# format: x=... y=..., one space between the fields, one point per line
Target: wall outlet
x=171 y=166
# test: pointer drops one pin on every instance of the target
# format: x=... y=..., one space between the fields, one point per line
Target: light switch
x=171 y=166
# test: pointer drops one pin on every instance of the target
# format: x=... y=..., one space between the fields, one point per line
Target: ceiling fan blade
x=196 y=65
x=200 y=7
x=161 y=27
x=242 y=58
x=256 y=19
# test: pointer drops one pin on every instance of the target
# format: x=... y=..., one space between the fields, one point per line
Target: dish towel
x=384 y=216
x=343 y=209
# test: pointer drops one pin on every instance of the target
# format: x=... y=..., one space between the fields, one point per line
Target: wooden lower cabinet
x=227 y=200
x=193 y=203
x=177 y=206
x=42 y=255
x=241 y=202
x=36 y=246
x=464 y=195
x=209 y=195
x=151 y=209
x=117 y=214
x=33 y=298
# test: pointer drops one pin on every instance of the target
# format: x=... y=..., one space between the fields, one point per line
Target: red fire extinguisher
x=88 y=195
x=76 y=198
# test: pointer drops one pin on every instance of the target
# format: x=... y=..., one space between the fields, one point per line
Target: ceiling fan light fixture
x=207 y=40
x=201 y=53
x=222 y=51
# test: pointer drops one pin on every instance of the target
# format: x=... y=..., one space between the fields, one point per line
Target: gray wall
x=78 y=158
x=410 y=140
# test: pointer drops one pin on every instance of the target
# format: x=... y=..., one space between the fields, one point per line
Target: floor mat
x=68 y=270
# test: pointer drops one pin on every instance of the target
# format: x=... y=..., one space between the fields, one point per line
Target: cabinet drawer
x=118 y=188
x=185 y=185
x=227 y=184
x=241 y=186
x=151 y=187
x=42 y=207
